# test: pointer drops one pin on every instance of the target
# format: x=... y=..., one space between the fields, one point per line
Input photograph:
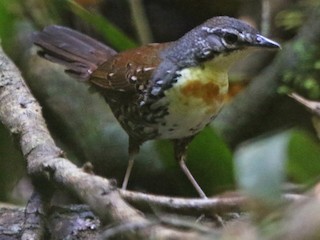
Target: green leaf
x=260 y=167
x=110 y=32
x=304 y=158
x=210 y=160
x=7 y=20
x=317 y=65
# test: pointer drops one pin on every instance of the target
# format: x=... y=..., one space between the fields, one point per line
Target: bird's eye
x=230 y=38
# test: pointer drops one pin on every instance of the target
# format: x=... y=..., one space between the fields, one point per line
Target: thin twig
x=313 y=106
x=140 y=21
x=196 y=206
x=265 y=17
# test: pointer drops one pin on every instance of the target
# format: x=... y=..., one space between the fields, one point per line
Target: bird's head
x=218 y=42
x=219 y=36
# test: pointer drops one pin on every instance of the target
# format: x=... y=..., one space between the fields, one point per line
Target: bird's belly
x=187 y=119
x=191 y=105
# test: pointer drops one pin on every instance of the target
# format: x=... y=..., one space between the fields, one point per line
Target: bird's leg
x=180 y=152
x=133 y=151
x=128 y=171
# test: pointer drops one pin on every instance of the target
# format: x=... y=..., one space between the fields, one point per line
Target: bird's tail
x=80 y=54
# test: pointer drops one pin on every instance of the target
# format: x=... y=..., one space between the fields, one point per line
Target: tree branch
x=196 y=206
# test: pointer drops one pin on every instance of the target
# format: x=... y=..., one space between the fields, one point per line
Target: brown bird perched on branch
x=159 y=91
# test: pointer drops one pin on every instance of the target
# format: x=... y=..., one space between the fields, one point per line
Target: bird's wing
x=129 y=71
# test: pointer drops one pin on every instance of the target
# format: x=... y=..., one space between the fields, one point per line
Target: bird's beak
x=263 y=42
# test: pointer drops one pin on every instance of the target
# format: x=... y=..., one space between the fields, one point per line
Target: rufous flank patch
x=208 y=92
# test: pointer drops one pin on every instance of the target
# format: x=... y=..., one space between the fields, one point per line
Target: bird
x=169 y=90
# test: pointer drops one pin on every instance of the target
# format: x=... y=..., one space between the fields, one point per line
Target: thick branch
x=34 y=222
